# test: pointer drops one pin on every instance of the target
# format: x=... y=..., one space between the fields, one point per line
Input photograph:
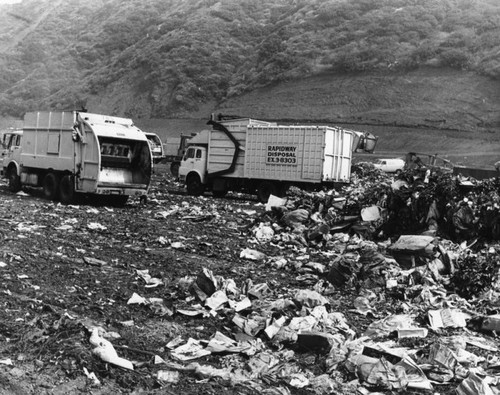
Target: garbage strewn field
x=387 y=286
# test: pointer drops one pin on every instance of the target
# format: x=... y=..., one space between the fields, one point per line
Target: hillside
x=431 y=65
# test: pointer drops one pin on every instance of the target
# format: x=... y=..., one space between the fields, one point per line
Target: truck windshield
x=190 y=153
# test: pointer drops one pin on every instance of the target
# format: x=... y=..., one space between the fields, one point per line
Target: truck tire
x=174 y=169
x=67 y=189
x=266 y=189
x=14 y=180
x=50 y=186
x=194 y=185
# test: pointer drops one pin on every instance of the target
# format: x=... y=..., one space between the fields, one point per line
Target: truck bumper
x=108 y=190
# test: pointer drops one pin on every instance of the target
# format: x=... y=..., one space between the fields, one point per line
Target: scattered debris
x=386 y=286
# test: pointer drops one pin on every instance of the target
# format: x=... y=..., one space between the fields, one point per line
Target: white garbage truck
x=265 y=158
x=72 y=152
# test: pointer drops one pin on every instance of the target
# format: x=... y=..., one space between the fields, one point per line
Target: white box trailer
x=77 y=152
x=266 y=158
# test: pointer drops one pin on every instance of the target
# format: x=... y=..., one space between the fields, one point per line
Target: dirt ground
x=67 y=269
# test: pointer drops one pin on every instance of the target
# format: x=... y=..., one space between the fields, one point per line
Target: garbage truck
x=265 y=158
x=69 y=153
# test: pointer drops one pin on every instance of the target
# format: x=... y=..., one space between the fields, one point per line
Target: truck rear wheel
x=50 y=186
x=266 y=189
x=194 y=185
x=67 y=189
x=14 y=180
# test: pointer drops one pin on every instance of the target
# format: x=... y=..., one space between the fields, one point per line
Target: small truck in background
x=156 y=147
x=265 y=158
x=174 y=148
x=71 y=152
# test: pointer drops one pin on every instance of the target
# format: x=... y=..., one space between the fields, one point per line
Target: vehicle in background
x=475 y=172
x=416 y=160
x=68 y=153
x=11 y=140
x=174 y=149
x=390 y=165
x=156 y=147
x=265 y=158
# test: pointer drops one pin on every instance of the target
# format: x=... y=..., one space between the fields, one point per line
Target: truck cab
x=11 y=148
x=193 y=169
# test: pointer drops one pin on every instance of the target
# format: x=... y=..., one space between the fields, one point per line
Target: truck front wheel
x=14 y=180
x=266 y=189
x=194 y=185
x=67 y=189
x=50 y=186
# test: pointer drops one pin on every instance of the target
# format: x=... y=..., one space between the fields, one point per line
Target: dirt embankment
x=428 y=98
x=452 y=113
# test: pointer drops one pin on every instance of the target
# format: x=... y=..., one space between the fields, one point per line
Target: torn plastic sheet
x=274 y=327
x=299 y=380
x=105 y=350
x=299 y=324
x=207 y=371
x=387 y=375
x=251 y=325
x=168 y=376
x=92 y=377
x=241 y=305
x=308 y=298
x=261 y=363
x=370 y=214
x=476 y=384
x=151 y=282
x=442 y=356
x=387 y=325
x=155 y=304
x=221 y=343
x=263 y=233
x=217 y=300
x=415 y=376
x=252 y=255
x=191 y=350
x=259 y=291
x=274 y=201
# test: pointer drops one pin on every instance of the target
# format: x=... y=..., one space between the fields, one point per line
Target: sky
x=9 y=1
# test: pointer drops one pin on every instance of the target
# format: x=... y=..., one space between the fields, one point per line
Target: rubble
x=388 y=285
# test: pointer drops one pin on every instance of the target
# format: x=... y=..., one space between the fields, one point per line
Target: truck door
x=194 y=159
x=11 y=147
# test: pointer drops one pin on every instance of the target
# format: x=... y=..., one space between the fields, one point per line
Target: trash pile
x=422 y=338
x=390 y=285
x=377 y=206
x=426 y=305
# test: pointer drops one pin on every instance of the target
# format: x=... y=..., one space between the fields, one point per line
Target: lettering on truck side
x=281 y=155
